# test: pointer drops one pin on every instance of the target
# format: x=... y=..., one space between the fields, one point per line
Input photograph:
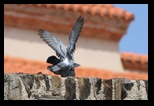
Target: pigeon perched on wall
x=64 y=64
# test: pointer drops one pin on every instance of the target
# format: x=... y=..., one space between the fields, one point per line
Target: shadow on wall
x=85 y=43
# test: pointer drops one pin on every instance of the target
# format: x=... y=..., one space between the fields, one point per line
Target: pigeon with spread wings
x=64 y=64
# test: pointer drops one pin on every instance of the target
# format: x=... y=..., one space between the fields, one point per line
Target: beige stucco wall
x=89 y=52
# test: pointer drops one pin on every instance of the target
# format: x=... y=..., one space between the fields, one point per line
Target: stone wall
x=22 y=86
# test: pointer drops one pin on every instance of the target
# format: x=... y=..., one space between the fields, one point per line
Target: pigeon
x=64 y=64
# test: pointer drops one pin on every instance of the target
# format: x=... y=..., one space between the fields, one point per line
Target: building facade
x=96 y=48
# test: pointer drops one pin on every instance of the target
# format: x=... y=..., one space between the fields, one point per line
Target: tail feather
x=53 y=60
x=53 y=68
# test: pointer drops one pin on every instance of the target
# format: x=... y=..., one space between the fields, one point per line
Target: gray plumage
x=65 y=65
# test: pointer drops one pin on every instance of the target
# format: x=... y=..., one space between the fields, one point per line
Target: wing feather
x=75 y=34
x=53 y=42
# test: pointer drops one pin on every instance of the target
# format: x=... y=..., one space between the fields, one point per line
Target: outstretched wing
x=75 y=34
x=53 y=42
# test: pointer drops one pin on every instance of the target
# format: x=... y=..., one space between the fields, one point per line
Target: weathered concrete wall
x=44 y=87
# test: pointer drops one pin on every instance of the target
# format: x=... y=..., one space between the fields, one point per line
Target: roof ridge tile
x=92 y=9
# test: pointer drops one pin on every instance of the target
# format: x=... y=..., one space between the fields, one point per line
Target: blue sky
x=136 y=38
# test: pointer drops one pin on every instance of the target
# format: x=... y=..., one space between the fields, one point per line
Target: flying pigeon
x=64 y=64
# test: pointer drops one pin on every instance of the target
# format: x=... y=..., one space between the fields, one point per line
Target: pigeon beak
x=76 y=65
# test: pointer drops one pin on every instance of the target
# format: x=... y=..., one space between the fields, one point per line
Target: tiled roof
x=135 y=61
x=92 y=9
x=15 y=65
x=107 y=21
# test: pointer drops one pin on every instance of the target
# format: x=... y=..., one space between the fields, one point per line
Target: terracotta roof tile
x=75 y=7
x=85 y=9
x=131 y=60
x=134 y=57
x=128 y=16
x=96 y=22
x=92 y=9
x=39 y=5
x=48 y=5
x=15 y=65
